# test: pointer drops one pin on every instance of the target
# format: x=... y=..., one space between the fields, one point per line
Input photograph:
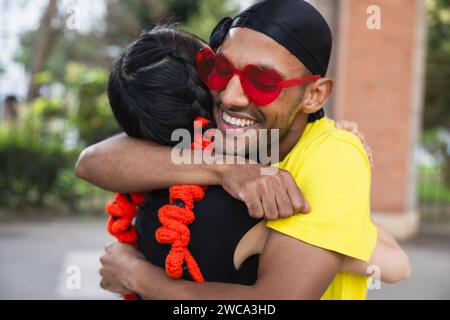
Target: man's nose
x=233 y=94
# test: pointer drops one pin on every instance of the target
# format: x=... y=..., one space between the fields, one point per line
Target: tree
x=437 y=96
x=42 y=47
x=125 y=20
x=208 y=15
x=436 y=115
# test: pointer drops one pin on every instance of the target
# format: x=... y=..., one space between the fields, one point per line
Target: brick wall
x=378 y=77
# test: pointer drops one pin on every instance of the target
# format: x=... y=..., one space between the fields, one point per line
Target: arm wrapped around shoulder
x=335 y=177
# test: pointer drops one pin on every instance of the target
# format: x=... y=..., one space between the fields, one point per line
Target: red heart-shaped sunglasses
x=261 y=85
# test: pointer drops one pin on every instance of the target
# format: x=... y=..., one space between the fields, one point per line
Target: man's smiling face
x=232 y=108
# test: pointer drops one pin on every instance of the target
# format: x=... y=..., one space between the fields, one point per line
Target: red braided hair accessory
x=174 y=220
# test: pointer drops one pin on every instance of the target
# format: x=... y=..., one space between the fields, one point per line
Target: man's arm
x=288 y=269
x=124 y=164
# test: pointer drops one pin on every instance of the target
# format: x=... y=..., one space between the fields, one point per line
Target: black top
x=220 y=223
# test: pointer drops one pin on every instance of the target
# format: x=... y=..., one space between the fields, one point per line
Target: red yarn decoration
x=175 y=220
x=120 y=223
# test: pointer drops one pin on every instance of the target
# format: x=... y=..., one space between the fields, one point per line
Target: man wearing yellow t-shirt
x=333 y=171
x=303 y=253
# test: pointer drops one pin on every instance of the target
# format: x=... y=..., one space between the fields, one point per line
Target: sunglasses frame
x=206 y=53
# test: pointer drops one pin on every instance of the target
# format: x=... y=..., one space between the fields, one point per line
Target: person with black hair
x=154 y=88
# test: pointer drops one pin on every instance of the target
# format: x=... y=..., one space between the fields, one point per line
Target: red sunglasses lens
x=261 y=85
x=214 y=70
x=205 y=64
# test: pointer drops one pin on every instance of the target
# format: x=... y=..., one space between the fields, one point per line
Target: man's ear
x=316 y=95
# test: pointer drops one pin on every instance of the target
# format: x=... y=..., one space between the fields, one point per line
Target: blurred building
x=378 y=68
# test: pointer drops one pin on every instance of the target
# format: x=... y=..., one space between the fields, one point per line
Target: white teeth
x=237 y=121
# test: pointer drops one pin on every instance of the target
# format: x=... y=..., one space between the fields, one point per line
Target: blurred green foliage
x=36 y=164
x=436 y=142
x=437 y=99
x=125 y=20
x=92 y=114
x=205 y=19
x=431 y=186
x=29 y=165
x=436 y=113
x=38 y=153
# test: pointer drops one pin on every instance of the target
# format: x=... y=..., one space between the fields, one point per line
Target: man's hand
x=118 y=263
x=266 y=196
x=353 y=128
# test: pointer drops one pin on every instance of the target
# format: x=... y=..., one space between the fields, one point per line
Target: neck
x=294 y=134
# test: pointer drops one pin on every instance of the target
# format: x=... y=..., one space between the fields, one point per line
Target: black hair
x=154 y=88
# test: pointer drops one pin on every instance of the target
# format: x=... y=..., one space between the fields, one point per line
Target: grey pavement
x=430 y=263
x=38 y=260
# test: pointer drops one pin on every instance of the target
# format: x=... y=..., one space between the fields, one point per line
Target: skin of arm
x=123 y=164
x=288 y=269
x=392 y=261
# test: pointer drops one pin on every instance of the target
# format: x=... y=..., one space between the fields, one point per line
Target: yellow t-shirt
x=332 y=169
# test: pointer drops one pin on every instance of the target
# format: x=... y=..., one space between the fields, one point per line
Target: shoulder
x=336 y=149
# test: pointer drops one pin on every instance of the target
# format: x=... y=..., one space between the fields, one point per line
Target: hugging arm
x=388 y=256
x=288 y=269
x=124 y=164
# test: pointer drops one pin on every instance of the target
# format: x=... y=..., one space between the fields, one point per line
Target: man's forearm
x=188 y=290
x=164 y=288
x=143 y=282
x=123 y=164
